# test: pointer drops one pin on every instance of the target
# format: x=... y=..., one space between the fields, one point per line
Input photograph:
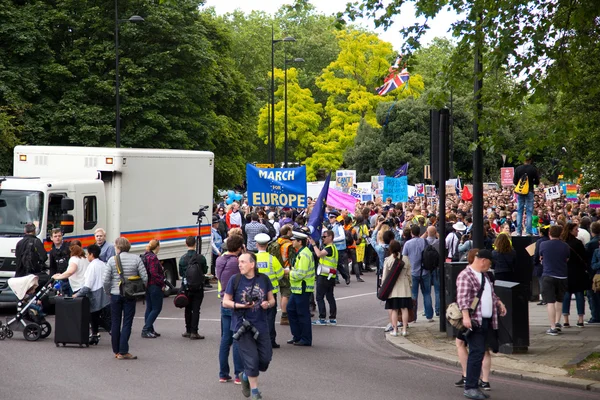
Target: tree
x=304 y=117
x=350 y=82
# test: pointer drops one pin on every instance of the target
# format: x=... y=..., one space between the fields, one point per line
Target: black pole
x=443 y=172
x=478 y=153
x=272 y=149
x=451 y=141
x=285 y=128
x=118 y=116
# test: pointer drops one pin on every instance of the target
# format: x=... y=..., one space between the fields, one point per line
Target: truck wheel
x=170 y=276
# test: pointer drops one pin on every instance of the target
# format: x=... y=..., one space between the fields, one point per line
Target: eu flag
x=315 y=220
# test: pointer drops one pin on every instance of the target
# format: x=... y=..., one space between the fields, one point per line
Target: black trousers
x=95 y=321
x=325 y=290
x=192 y=310
x=343 y=264
x=271 y=314
x=355 y=266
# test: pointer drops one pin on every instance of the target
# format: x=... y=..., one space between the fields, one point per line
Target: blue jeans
x=579 y=301
x=298 y=309
x=154 y=303
x=436 y=288
x=226 y=342
x=594 y=300
x=123 y=310
x=425 y=282
x=524 y=202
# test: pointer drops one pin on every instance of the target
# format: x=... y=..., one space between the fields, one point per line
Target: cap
x=262 y=238
x=299 y=235
x=333 y=213
x=215 y=219
x=485 y=253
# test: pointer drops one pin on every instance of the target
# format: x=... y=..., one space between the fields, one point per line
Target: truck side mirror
x=67 y=204
x=67 y=222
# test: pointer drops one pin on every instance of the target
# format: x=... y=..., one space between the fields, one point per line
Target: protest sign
x=430 y=191
x=571 y=192
x=377 y=185
x=341 y=200
x=552 y=192
x=361 y=194
x=594 y=200
x=506 y=176
x=420 y=189
x=344 y=179
x=281 y=187
x=396 y=188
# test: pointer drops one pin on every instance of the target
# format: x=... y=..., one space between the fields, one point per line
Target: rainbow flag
x=594 y=200
x=571 y=193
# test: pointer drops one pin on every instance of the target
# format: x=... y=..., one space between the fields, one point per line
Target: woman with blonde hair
x=505 y=258
x=76 y=270
x=400 y=299
x=154 y=290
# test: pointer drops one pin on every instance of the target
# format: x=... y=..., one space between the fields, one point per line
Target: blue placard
x=279 y=187
x=396 y=188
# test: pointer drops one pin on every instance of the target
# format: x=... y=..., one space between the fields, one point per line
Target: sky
x=439 y=27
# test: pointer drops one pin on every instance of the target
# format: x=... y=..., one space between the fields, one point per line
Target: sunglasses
x=324 y=237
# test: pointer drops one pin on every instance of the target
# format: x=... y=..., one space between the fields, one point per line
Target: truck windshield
x=17 y=208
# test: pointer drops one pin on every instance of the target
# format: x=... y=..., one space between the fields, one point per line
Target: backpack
x=30 y=259
x=522 y=187
x=455 y=255
x=194 y=275
x=272 y=232
x=430 y=258
x=274 y=249
x=350 y=237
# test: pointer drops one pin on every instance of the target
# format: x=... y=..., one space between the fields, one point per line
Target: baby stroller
x=29 y=313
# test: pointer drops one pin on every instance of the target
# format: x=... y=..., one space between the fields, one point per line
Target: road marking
x=218 y=320
x=356 y=295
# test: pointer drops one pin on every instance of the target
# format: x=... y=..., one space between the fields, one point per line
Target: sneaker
x=195 y=336
x=319 y=322
x=431 y=319
x=257 y=396
x=542 y=303
x=474 y=394
x=566 y=325
x=484 y=385
x=225 y=380
x=156 y=333
x=360 y=280
x=245 y=386
x=148 y=335
x=580 y=324
x=388 y=328
x=405 y=333
x=347 y=281
x=394 y=334
x=237 y=380
x=333 y=322
x=557 y=327
x=461 y=382
x=552 y=332
x=399 y=325
x=186 y=335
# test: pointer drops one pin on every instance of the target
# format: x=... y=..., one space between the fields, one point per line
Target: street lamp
x=273 y=41
x=134 y=19
x=285 y=140
x=261 y=89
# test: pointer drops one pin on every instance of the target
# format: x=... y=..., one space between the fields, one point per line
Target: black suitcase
x=72 y=321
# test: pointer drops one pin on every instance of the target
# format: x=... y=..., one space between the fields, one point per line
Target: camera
x=200 y=212
x=246 y=326
x=249 y=299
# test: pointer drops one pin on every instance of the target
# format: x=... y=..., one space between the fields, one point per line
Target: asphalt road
x=349 y=361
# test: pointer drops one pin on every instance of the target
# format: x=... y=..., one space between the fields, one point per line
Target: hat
x=459 y=226
x=334 y=213
x=299 y=235
x=485 y=253
x=215 y=219
x=262 y=238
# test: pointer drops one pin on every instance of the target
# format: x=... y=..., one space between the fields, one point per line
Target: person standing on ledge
x=525 y=201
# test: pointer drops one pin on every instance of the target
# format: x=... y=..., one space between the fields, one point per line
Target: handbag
x=454 y=314
x=522 y=187
x=132 y=287
x=181 y=300
x=384 y=291
x=412 y=312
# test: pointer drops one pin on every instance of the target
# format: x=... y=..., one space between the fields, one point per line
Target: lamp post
x=285 y=138
x=260 y=88
x=134 y=19
x=273 y=41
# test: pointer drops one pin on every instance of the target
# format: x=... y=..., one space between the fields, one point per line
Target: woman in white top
x=76 y=269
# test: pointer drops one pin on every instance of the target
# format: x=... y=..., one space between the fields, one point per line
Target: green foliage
x=179 y=84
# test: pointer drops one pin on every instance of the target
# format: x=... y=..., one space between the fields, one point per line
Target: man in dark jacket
x=30 y=253
x=593 y=298
x=59 y=254
x=192 y=310
x=525 y=201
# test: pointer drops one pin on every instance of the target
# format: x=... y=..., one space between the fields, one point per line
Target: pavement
x=547 y=360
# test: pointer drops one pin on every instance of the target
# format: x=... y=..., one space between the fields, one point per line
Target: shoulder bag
x=132 y=287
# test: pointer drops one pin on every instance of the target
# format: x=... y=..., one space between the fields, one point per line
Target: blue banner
x=396 y=188
x=280 y=187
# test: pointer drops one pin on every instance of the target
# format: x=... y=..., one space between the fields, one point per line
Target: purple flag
x=315 y=220
x=341 y=200
x=381 y=172
x=402 y=171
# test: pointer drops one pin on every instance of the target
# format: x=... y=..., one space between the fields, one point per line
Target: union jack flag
x=395 y=79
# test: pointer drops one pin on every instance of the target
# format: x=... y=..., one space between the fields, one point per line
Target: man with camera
x=480 y=308
x=250 y=295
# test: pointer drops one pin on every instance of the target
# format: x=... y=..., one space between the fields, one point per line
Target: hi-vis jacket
x=329 y=262
x=303 y=271
x=270 y=266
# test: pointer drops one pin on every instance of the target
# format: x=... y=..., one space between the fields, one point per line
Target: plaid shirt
x=156 y=273
x=252 y=229
x=467 y=286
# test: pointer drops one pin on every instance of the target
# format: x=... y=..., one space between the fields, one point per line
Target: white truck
x=140 y=194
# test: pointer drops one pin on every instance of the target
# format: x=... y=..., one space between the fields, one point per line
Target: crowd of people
x=265 y=258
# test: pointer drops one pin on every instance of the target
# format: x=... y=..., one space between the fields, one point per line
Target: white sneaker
x=405 y=333
x=395 y=334
x=430 y=320
x=388 y=328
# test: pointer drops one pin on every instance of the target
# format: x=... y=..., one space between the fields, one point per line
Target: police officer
x=328 y=260
x=270 y=266
x=59 y=259
x=302 y=282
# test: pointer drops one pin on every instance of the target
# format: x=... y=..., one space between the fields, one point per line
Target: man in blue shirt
x=420 y=277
